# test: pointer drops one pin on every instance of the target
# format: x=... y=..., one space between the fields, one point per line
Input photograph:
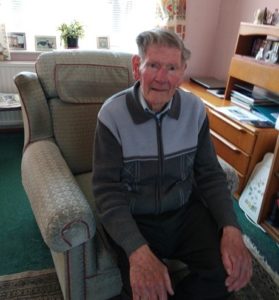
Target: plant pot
x=72 y=43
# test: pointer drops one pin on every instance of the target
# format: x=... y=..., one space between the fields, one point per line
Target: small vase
x=72 y=43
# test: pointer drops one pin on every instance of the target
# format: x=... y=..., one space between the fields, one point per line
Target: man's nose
x=162 y=74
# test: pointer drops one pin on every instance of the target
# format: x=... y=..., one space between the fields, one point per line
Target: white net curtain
x=171 y=14
x=120 y=20
x=4 y=46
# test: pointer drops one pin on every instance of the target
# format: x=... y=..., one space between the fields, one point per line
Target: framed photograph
x=17 y=40
x=103 y=42
x=45 y=43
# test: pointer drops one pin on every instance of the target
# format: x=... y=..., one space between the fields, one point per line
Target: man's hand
x=236 y=259
x=149 y=277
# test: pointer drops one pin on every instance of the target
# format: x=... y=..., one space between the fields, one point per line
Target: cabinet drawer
x=230 y=153
x=232 y=132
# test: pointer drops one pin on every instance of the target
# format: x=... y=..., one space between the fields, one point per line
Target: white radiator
x=11 y=118
x=8 y=70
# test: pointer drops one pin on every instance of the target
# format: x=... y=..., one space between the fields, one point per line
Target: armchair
x=60 y=103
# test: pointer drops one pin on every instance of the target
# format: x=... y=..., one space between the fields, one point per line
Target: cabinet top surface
x=214 y=102
x=258 y=29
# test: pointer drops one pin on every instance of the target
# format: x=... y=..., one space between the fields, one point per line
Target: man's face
x=160 y=73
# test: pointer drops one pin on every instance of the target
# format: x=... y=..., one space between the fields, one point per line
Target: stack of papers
x=243 y=115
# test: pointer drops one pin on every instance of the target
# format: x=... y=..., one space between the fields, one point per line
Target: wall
x=212 y=28
x=201 y=28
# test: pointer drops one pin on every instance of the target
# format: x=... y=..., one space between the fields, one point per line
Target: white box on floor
x=251 y=198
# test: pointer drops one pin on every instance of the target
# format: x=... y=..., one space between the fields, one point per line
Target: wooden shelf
x=237 y=143
x=246 y=69
x=253 y=29
x=264 y=75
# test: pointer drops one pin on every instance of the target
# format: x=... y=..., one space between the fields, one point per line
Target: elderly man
x=159 y=188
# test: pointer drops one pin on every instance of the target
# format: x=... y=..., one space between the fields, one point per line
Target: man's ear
x=183 y=71
x=136 y=66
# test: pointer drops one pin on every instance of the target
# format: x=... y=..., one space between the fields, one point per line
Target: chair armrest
x=61 y=210
x=35 y=111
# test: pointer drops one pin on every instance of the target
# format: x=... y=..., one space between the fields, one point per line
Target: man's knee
x=208 y=284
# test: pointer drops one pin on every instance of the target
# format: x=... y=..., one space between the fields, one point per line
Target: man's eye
x=172 y=68
x=153 y=66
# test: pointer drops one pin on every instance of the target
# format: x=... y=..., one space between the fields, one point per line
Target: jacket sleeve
x=111 y=200
x=211 y=181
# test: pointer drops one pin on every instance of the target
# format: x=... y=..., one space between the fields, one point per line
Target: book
x=248 y=98
x=255 y=94
x=257 y=44
x=270 y=112
x=241 y=103
x=241 y=114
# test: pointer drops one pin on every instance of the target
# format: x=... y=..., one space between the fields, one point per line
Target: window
x=120 y=20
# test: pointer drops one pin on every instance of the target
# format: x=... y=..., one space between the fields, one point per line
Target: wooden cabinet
x=247 y=69
x=271 y=190
x=239 y=144
x=242 y=145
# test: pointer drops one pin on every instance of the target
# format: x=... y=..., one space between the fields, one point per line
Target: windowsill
x=23 y=55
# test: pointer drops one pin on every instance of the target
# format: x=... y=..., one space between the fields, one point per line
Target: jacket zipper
x=160 y=164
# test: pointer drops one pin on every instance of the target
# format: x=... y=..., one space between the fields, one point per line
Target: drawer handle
x=224 y=141
x=237 y=127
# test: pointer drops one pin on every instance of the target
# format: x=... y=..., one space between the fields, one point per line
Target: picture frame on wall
x=17 y=40
x=103 y=42
x=45 y=43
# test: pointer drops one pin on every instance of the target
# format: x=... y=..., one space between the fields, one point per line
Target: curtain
x=171 y=14
x=4 y=46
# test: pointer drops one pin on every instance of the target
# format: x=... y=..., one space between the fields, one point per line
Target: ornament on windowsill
x=266 y=17
x=275 y=18
x=262 y=16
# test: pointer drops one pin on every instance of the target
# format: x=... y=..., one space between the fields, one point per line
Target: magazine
x=240 y=114
x=9 y=100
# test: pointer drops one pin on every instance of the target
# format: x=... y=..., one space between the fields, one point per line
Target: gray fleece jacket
x=144 y=164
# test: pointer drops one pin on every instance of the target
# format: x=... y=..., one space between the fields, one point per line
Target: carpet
x=259 y=240
x=37 y=285
x=22 y=247
x=43 y=285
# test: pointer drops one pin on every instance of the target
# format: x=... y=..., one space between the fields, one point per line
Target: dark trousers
x=189 y=235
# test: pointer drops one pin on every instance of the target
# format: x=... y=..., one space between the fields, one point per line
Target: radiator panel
x=8 y=70
x=11 y=118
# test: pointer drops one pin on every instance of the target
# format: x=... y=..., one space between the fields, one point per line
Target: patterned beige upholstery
x=60 y=103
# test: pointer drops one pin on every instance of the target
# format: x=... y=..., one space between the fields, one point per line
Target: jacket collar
x=139 y=115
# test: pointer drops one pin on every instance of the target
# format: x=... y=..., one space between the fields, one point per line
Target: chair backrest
x=75 y=84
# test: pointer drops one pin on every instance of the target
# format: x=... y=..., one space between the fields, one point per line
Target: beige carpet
x=43 y=285
x=260 y=259
x=37 y=285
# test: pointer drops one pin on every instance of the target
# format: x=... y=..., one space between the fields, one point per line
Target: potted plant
x=70 y=33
